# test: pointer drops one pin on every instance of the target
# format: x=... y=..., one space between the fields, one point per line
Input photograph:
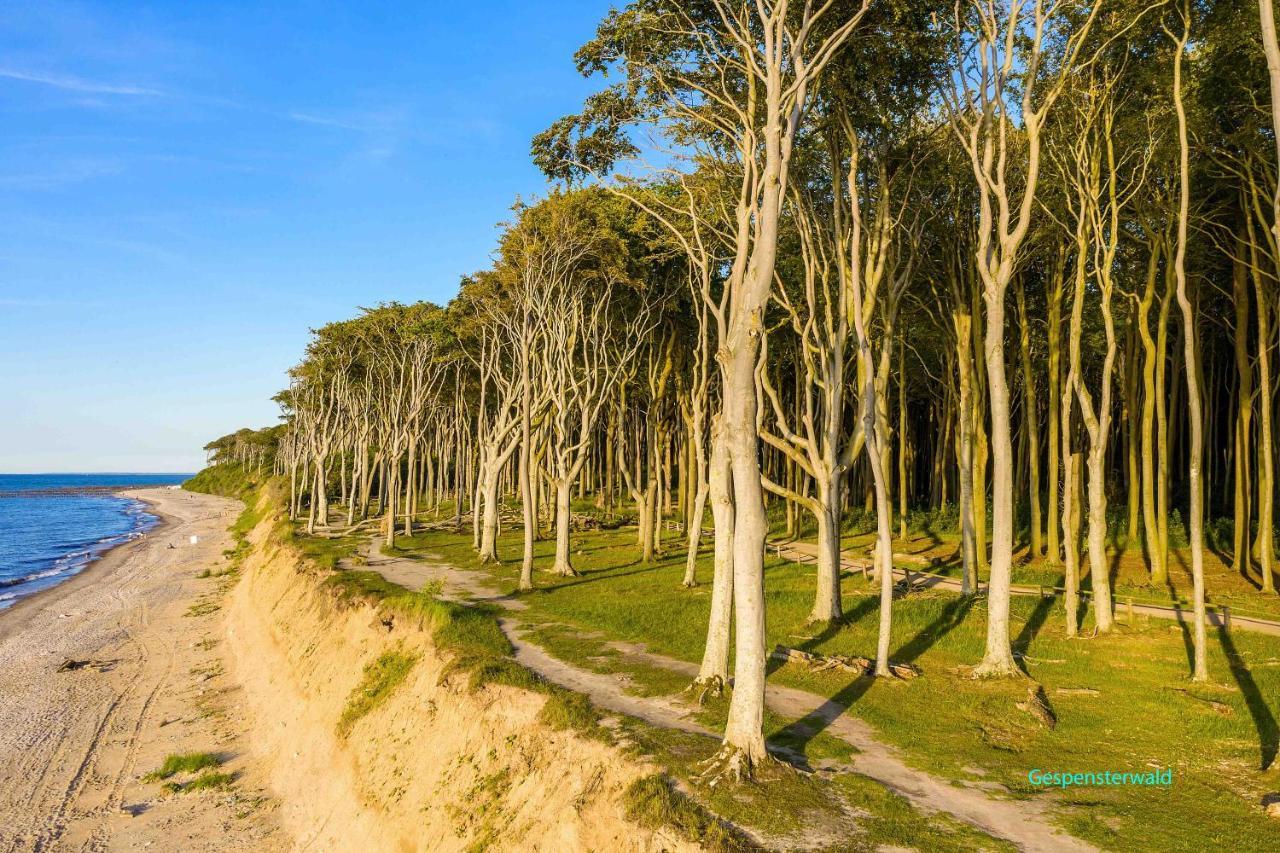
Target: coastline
x=19 y=614
x=150 y=681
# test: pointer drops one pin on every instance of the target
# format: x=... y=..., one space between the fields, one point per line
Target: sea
x=54 y=525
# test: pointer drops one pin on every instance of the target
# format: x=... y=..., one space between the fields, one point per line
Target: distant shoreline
x=14 y=617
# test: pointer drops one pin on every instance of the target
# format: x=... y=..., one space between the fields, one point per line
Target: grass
x=471 y=636
x=202 y=608
x=183 y=762
x=381 y=677
x=965 y=730
x=655 y=802
x=209 y=781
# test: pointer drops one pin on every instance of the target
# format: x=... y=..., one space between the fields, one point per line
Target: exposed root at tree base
x=997 y=669
x=707 y=688
x=734 y=765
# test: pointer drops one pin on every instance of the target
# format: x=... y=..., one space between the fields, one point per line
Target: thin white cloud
x=309 y=118
x=75 y=84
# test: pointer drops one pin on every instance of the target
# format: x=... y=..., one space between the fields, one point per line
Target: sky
x=187 y=188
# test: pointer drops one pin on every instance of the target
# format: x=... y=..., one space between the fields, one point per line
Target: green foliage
x=228 y=479
x=381 y=677
x=211 y=780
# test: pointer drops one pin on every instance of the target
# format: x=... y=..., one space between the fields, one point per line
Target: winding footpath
x=1025 y=824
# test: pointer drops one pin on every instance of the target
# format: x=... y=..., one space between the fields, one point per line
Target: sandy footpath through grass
x=74 y=745
x=1023 y=823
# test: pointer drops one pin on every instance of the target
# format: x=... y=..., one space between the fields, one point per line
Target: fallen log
x=844 y=663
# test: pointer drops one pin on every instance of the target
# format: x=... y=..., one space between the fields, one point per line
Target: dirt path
x=1022 y=823
x=73 y=745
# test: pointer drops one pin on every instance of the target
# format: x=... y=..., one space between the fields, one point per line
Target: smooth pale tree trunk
x=1133 y=476
x=488 y=498
x=389 y=512
x=1160 y=566
x=884 y=549
x=1031 y=421
x=745 y=728
x=321 y=494
x=1200 y=665
x=713 y=674
x=529 y=506
x=694 y=532
x=981 y=441
x=563 y=564
x=1150 y=526
x=1266 y=486
x=1053 y=546
x=528 y=509
x=903 y=449
x=1266 y=495
x=1071 y=556
x=827 y=607
x=1244 y=415
x=1099 y=578
x=968 y=538
x=998 y=658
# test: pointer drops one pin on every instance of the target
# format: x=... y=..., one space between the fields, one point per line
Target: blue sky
x=187 y=188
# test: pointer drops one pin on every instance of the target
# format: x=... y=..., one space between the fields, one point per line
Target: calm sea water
x=53 y=525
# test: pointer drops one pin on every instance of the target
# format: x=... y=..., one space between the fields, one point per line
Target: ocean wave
x=84 y=553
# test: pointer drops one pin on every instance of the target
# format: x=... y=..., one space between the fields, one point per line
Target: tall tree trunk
x=1200 y=665
x=1057 y=278
x=968 y=536
x=713 y=674
x=563 y=564
x=998 y=658
x=1031 y=420
x=1244 y=414
x=488 y=499
x=1265 y=545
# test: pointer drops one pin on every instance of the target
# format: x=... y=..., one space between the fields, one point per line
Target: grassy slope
x=955 y=726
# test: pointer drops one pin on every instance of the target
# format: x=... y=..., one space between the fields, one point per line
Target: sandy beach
x=75 y=745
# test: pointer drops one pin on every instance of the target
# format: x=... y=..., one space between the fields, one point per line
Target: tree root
x=706 y=688
x=997 y=669
x=731 y=764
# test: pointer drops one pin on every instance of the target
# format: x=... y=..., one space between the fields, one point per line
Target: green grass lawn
x=1146 y=713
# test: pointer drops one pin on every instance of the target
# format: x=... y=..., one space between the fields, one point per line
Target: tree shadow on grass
x=1187 y=642
x=1264 y=719
x=596 y=575
x=800 y=732
x=1031 y=628
x=951 y=616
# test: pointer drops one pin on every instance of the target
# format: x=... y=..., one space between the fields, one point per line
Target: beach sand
x=74 y=745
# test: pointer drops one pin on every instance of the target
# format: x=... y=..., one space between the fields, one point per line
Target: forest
x=998 y=274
